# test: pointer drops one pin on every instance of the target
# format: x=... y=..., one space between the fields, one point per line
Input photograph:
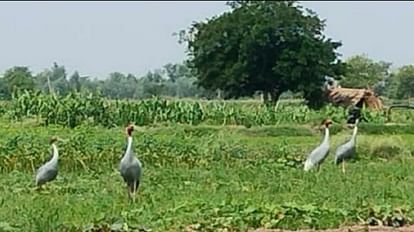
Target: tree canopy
x=363 y=72
x=267 y=46
x=18 y=77
x=173 y=79
x=401 y=82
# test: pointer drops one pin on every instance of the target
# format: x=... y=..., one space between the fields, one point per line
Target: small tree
x=74 y=82
x=405 y=77
x=19 y=77
x=363 y=72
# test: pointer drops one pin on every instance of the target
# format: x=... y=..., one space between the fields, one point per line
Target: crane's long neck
x=128 y=152
x=326 y=138
x=55 y=154
x=354 y=133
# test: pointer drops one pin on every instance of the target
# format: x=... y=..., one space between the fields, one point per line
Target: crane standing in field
x=48 y=172
x=130 y=167
x=347 y=150
x=318 y=155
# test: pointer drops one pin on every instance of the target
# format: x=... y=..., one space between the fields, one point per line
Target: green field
x=207 y=176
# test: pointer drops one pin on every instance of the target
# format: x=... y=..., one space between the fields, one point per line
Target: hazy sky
x=97 y=38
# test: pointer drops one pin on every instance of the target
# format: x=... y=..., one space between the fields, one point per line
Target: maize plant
x=76 y=109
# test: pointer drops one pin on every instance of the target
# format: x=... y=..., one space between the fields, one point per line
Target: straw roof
x=347 y=97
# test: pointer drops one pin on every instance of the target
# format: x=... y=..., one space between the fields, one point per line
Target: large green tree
x=267 y=46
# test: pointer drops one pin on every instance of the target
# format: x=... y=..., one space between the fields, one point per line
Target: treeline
x=176 y=80
x=172 y=80
x=364 y=72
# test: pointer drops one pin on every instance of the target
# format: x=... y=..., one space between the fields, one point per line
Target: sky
x=97 y=38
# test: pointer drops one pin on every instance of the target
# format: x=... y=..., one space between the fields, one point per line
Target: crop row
x=92 y=148
x=77 y=109
x=85 y=151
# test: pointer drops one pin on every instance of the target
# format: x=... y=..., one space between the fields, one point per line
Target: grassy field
x=206 y=177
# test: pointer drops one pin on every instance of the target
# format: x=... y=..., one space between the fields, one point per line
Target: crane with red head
x=49 y=171
x=130 y=167
x=319 y=154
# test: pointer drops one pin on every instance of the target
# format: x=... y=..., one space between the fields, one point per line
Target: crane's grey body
x=347 y=150
x=130 y=169
x=49 y=170
x=319 y=154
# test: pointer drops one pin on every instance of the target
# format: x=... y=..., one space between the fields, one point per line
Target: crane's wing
x=344 y=151
x=46 y=174
x=319 y=153
x=317 y=156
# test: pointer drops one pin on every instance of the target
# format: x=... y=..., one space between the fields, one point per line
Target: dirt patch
x=348 y=229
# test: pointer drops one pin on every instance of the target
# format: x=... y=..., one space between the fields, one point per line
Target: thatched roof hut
x=346 y=96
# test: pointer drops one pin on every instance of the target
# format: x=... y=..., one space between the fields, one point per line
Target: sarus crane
x=130 y=167
x=49 y=171
x=347 y=150
x=319 y=154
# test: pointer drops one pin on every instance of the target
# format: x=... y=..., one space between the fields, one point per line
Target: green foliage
x=53 y=80
x=404 y=79
x=119 y=86
x=79 y=108
x=172 y=80
x=18 y=78
x=4 y=90
x=363 y=72
x=199 y=178
x=268 y=46
x=74 y=82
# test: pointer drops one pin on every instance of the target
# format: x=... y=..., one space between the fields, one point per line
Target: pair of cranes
x=343 y=152
x=130 y=167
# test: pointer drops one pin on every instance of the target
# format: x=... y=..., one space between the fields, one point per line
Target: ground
x=349 y=229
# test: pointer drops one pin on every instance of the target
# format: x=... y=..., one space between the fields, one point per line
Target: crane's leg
x=129 y=191
x=318 y=168
x=343 y=166
x=134 y=185
x=40 y=186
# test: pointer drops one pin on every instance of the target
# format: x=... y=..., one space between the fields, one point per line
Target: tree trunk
x=50 y=86
x=266 y=99
x=177 y=93
x=274 y=96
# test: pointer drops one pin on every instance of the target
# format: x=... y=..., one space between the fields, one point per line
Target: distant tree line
x=364 y=72
x=172 y=80
x=176 y=80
